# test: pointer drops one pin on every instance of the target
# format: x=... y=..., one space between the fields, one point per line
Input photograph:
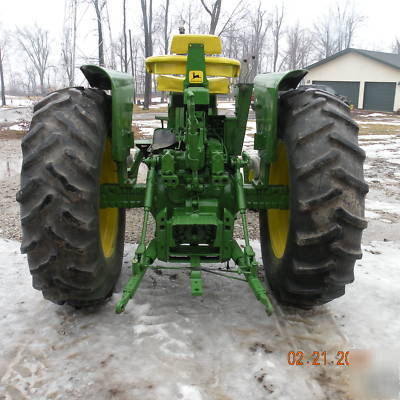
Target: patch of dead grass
x=379 y=129
x=11 y=134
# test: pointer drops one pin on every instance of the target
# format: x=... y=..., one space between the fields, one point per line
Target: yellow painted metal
x=108 y=217
x=170 y=83
x=176 y=65
x=180 y=43
x=278 y=220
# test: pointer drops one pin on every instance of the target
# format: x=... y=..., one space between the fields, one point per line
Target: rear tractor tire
x=74 y=248
x=309 y=251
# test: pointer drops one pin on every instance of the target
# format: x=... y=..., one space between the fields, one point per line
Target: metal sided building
x=369 y=79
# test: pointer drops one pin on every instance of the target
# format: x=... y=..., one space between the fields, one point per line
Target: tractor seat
x=168 y=65
x=176 y=65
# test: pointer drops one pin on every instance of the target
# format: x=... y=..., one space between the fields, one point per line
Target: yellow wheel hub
x=108 y=217
x=278 y=220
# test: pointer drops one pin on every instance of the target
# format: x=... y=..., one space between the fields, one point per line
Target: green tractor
x=78 y=177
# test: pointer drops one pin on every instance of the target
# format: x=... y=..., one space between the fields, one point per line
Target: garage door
x=379 y=96
x=348 y=89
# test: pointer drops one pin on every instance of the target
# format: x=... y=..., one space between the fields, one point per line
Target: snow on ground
x=224 y=105
x=386 y=149
x=14 y=115
x=17 y=113
x=393 y=207
x=19 y=101
x=170 y=345
x=375 y=122
x=374 y=115
x=17 y=127
x=147 y=126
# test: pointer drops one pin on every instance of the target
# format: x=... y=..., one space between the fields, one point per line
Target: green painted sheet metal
x=122 y=89
x=266 y=93
x=132 y=196
x=122 y=196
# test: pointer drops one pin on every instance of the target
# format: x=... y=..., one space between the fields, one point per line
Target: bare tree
x=299 y=47
x=214 y=12
x=238 y=13
x=66 y=56
x=324 y=38
x=98 y=7
x=111 y=63
x=277 y=32
x=31 y=85
x=133 y=49
x=147 y=12
x=186 y=17
x=2 y=85
x=118 y=49
x=35 y=44
x=396 y=46
x=124 y=36
x=253 y=43
x=336 y=30
x=346 y=21
x=166 y=33
x=68 y=45
x=167 y=29
x=232 y=44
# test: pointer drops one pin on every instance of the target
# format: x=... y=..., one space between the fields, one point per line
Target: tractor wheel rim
x=278 y=220
x=108 y=217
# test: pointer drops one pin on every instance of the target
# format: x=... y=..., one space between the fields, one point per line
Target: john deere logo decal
x=196 y=77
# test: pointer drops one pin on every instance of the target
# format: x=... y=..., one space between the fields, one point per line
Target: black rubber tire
x=59 y=198
x=327 y=191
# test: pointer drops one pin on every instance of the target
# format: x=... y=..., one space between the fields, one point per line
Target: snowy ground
x=222 y=346
x=17 y=114
x=170 y=345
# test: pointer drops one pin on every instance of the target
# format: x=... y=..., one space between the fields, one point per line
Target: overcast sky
x=382 y=22
x=378 y=31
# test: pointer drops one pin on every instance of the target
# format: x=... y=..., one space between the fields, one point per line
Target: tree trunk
x=166 y=27
x=72 y=82
x=41 y=78
x=132 y=66
x=165 y=38
x=277 y=33
x=3 y=93
x=113 y=64
x=148 y=47
x=100 y=33
x=125 y=41
x=214 y=14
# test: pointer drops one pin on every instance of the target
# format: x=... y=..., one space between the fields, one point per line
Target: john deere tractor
x=80 y=173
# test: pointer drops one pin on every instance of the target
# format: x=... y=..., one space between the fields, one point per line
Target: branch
x=204 y=5
x=230 y=17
